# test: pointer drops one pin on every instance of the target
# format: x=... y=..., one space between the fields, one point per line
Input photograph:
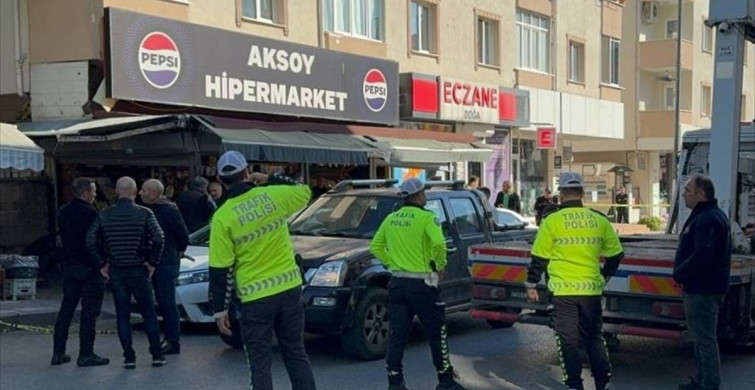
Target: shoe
x=92 y=360
x=170 y=348
x=159 y=361
x=129 y=363
x=692 y=385
x=396 y=382
x=448 y=381
x=59 y=358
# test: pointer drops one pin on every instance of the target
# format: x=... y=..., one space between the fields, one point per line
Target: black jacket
x=196 y=208
x=125 y=235
x=703 y=258
x=514 y=202
x=174 y=230
x=74 y=219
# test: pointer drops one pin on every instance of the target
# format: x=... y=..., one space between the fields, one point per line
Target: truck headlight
x=330 y=274
x=185 y=278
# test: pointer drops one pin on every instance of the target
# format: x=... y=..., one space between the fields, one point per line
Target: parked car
x=345 y=291
x=506 y=219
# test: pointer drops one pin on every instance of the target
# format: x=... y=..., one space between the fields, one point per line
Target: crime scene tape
x=627 y=205
x=6 y=327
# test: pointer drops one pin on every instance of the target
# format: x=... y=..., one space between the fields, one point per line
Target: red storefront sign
x=546 y=138
x=460 y=101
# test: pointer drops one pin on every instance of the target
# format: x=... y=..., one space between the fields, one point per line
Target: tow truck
x=642 y=299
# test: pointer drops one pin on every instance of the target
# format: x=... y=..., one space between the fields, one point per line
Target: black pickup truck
x=345 y=291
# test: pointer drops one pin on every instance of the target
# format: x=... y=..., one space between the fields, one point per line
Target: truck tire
x=234 y=340
x=367 y=338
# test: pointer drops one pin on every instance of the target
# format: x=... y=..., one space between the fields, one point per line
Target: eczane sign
x=468 y=102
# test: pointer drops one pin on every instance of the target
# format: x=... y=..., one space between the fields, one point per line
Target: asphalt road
x=523 y=357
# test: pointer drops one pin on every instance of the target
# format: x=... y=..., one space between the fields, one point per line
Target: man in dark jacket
x=166 y=273
x=622 y=211
x=544 y=202
x=508 y=199
x=701 y=266
x=127 y=242
x=195 y=204
x=81 y=278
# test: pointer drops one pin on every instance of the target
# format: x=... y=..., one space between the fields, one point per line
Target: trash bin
x=20 y=275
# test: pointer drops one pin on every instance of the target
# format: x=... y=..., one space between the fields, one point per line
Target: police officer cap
x=411 y=187
x=570 y=180
x=231 y=163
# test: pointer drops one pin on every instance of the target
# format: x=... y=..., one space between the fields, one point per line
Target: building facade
x=648 y=74
x=496 y=69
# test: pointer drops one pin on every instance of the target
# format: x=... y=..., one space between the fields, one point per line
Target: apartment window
x=576 y=62
x=707 y=39
x=487 y=42
x=705 y=99
x=610 y=60
x=669 y=97
x=359 y=18
x=533 y=41
x=423 y=21
x=672 y=29
x=263 y=10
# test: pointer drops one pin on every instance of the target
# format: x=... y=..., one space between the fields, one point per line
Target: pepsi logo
x=159 y=60
x=375 y=90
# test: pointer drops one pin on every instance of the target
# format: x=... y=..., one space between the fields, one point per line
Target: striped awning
x=17 y=151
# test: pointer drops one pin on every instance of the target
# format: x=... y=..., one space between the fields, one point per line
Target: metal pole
x=677 y=127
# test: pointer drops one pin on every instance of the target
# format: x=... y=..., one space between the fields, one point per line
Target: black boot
x=447 y=381
x=396 y=382
x=59 y=358
x=92 y=360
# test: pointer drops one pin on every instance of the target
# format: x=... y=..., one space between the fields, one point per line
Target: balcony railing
x=661 y=54
x=660 y=123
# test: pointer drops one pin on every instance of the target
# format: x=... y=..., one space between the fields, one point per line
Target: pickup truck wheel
x=367 y=338
x=234 y=340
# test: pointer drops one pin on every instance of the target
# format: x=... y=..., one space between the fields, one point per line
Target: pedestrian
x=81 y=277
x=508 y=199
x=250 y=245
x=569 y=245
x=543 y=202
x=320 y=188
x=701 y=267
x=127 y=242
x=622 y=210
x=176 y=238
x=486 y=191
x=410 y=243
x=196 y=204
x=473 y=182
x=217 y=192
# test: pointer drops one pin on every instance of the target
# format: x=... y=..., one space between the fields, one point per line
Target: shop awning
x=427 y=151
x=101 y=130
x=17 y=151
x=298 y=146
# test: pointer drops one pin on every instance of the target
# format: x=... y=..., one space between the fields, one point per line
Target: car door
x=470 y=229
x=447 y=285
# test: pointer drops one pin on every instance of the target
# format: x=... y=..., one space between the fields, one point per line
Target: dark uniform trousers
x=408 y=297
x=284 y=314
x=80 y=283
x=576 y=317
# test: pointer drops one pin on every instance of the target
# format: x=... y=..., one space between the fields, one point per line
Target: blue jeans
x=702 y=318
x=134 y=281
x=164 y=283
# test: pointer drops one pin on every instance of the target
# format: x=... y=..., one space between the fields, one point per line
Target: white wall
x=7 y=46
x=59 y=90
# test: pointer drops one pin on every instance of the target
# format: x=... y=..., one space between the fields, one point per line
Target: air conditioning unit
x=650 y=10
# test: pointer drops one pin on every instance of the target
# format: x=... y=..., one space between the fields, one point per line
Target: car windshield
x=344 y=216
x=201 y=237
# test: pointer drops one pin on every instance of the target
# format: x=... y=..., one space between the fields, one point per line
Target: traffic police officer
x=250 y=245
x=411 y=244
x=570 y=242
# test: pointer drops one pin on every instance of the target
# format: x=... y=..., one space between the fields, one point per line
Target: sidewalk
x=42 y=311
